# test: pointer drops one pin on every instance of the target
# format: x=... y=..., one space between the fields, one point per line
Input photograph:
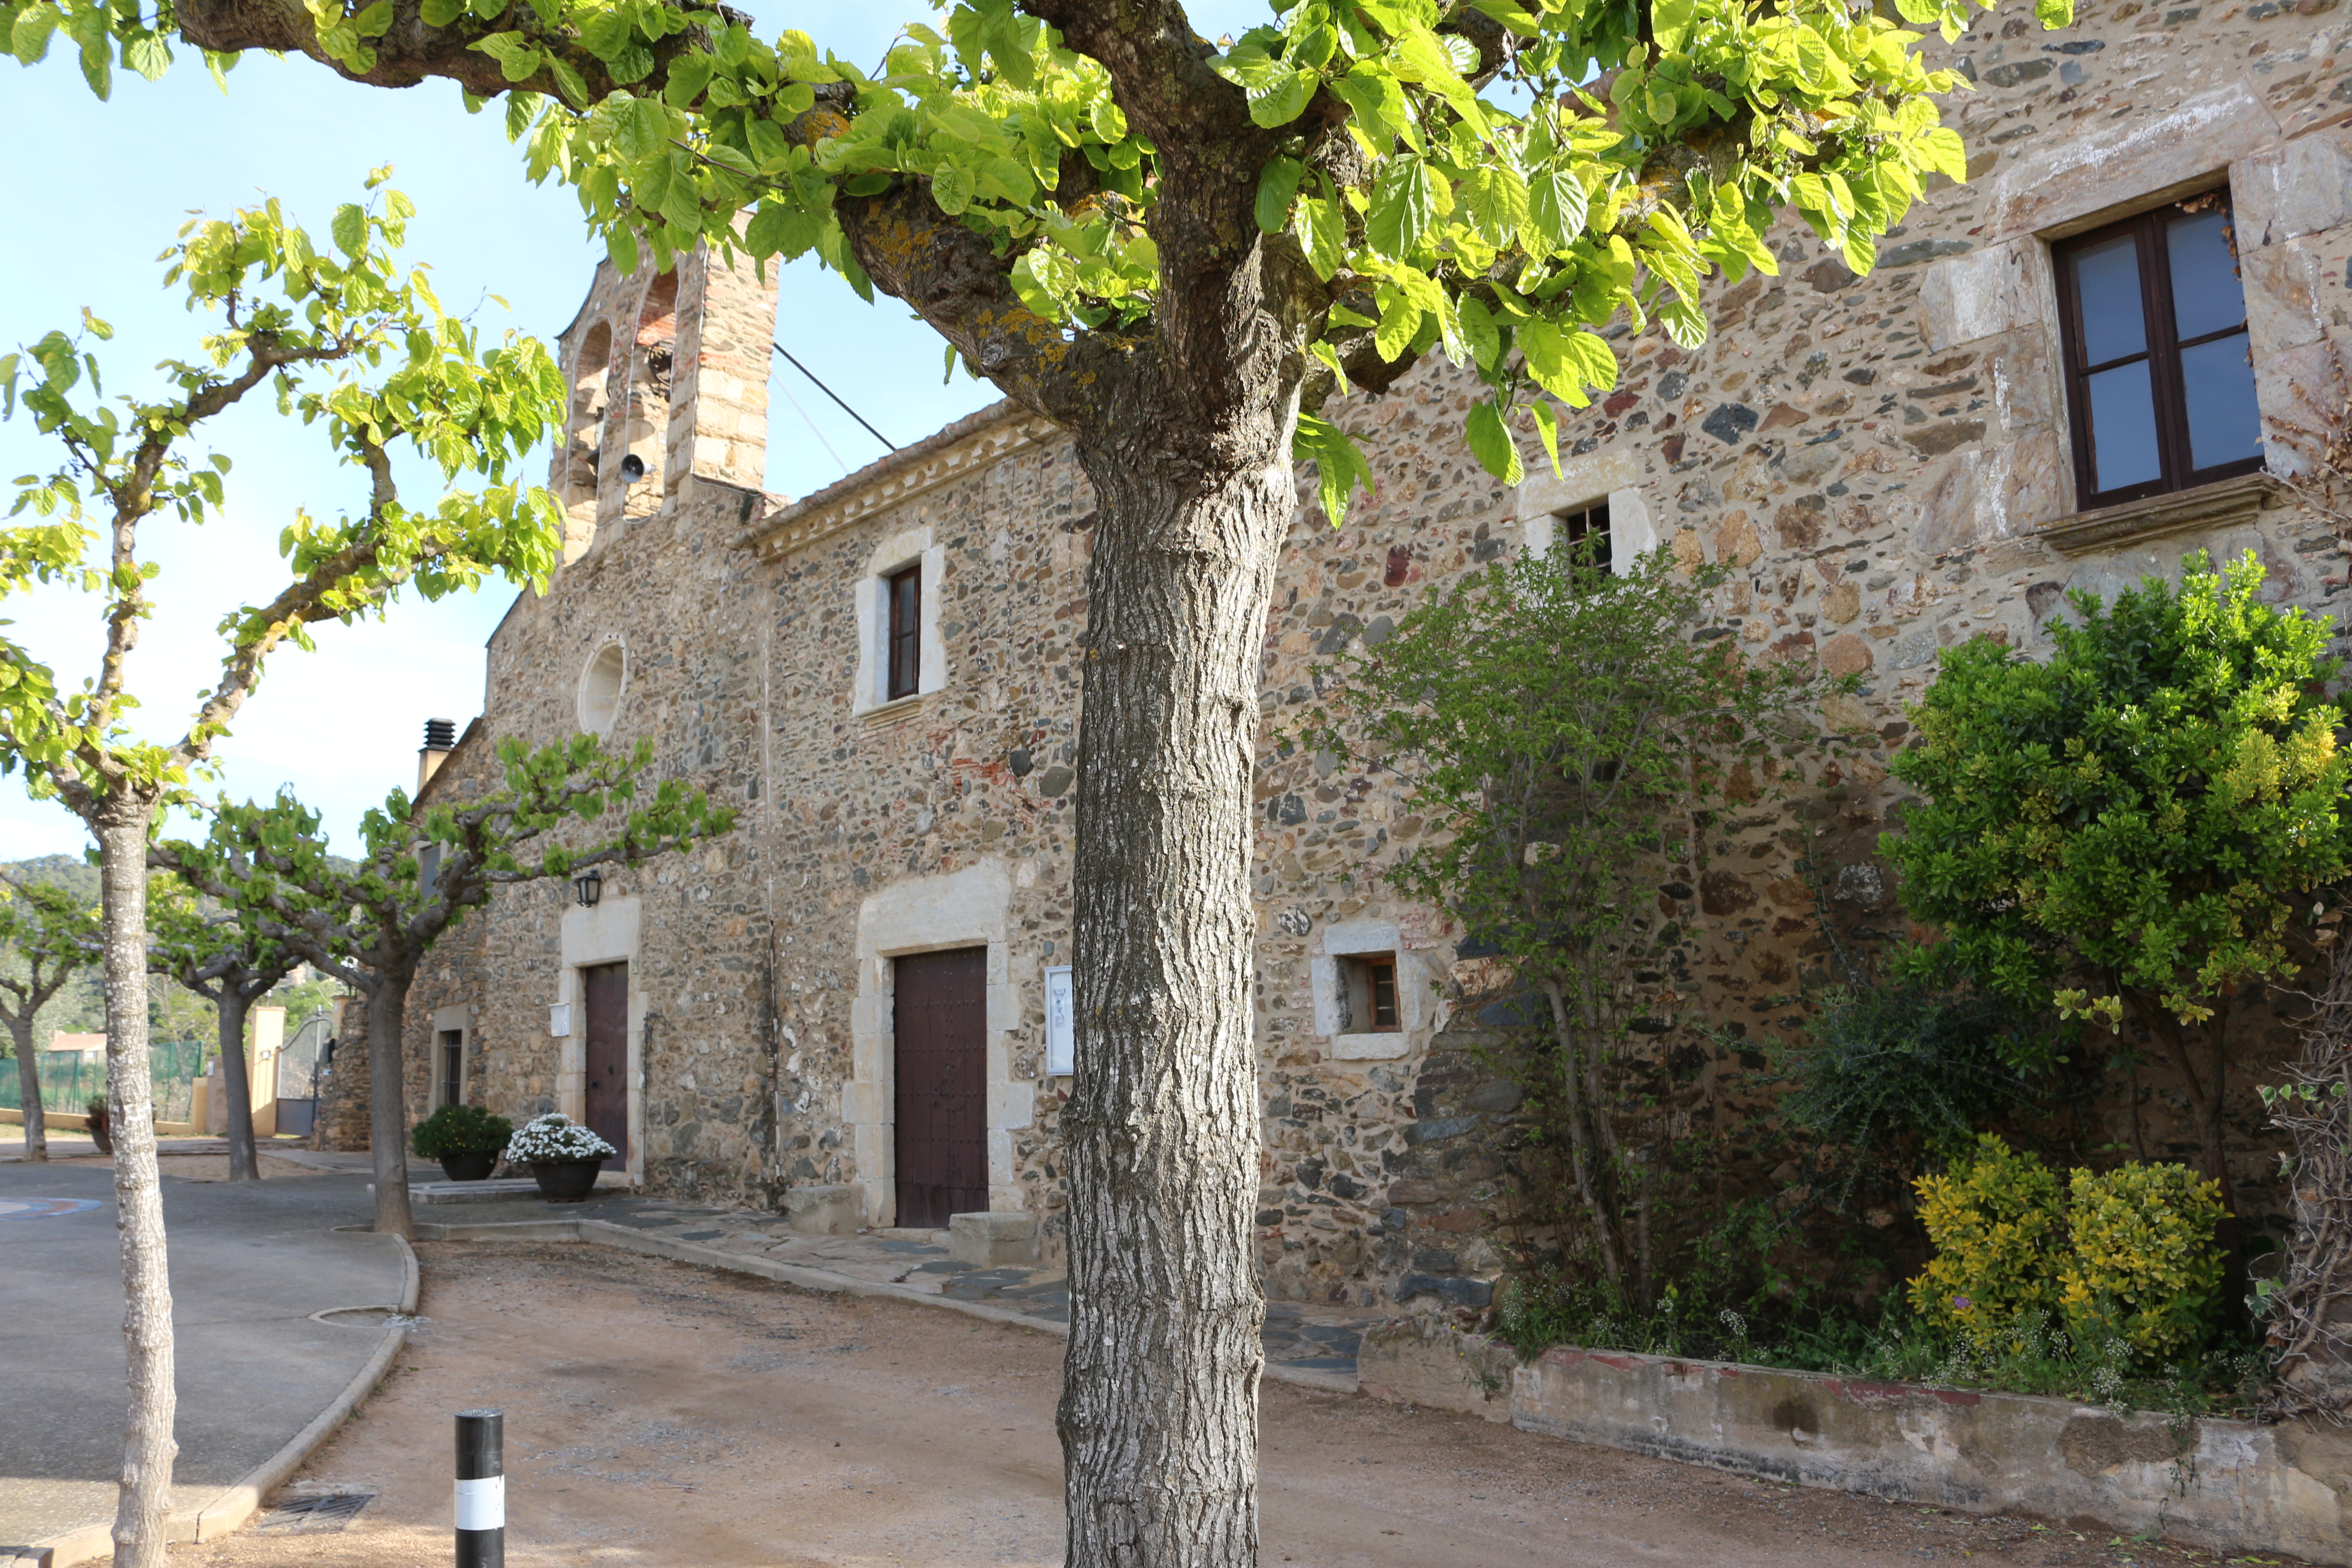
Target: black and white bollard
x=481 y=1489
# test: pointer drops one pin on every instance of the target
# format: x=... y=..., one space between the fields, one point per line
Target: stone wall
x=2232 y=1486
x=1878 y=461
x=341 y=1122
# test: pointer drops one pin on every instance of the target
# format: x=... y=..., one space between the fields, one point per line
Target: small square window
x=2159 y=385
x=903 y=590
x=1367 y=994
x=1583 y=537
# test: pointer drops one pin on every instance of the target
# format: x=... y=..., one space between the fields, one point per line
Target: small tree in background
x=1566 y=740
x=2134 y=830
x=351 y=344
x=47 y=936
x=372 y=924
x=224 y=958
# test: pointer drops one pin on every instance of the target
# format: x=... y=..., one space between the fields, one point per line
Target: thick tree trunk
x=1158 y=1413
x=148 y=1448
x=29 y=1090
x=387 y=1008
x=238 y=1084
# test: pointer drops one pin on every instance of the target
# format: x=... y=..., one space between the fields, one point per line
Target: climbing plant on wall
x=1181 y=253
x=1557 y=795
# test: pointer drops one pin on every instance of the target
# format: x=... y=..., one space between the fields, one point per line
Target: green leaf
x=1322 y=233
x=1548 y=428
x=1283 y=97
x=1479 y=330
x=1340 y=466
x=1564 y=361
x=1556 y=206
x=349 y=229
x=1399 y=320
x=1404 y=206
x=689 y=75
x=149 y=54
x=1276 y=184
x=951 y=188
x=621 y=245
x=1494 y=199
x=1491 y=443
x=28 y=38
x=640 y=127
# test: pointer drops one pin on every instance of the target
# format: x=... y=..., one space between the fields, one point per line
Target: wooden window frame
x=448 y=1044
x=1361 y=977
x=903 y=644
x=2162 y=352
x=1583 y=523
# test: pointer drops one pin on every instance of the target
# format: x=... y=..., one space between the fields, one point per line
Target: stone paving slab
x=1303 y=1336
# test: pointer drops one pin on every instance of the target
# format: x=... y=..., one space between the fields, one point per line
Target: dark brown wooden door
x=941 y=1018
x=607 y=987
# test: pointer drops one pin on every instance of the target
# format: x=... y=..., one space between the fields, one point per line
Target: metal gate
x=940 y=1016
x=300 y=1061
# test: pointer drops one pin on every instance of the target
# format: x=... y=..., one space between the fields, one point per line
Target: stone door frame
x=970 y=908
x=609 y=933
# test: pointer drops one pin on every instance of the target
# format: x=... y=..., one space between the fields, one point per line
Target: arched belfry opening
x=592 y=365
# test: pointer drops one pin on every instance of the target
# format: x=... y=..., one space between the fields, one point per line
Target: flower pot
x=473 y=1165
x=101 y=1134
x=566 y=1181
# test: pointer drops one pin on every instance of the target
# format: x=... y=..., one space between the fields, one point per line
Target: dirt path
x=659 y=1414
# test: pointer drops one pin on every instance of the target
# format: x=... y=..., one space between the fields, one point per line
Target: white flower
x=554 y=1138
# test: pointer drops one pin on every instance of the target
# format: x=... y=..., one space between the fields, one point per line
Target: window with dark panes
x=2158 y=383
x=1584 y=534
x=905 y=591
x=453 y=1067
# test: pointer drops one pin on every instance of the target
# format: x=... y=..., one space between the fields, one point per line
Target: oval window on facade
x=600 y=689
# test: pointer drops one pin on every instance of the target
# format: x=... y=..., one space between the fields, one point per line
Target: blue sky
x=97 y=189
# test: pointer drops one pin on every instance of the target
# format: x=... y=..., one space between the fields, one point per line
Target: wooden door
x=607 y=1115
x=940 y=1019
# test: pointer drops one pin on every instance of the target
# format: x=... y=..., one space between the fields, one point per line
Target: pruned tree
x=225 y=959
x=1180 y=253
x=46 y=937
x=348 y=342
x=372 y=923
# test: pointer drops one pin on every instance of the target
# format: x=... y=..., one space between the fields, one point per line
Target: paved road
x=249 y=1265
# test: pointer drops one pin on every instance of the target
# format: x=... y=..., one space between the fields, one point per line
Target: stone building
x=879 y=676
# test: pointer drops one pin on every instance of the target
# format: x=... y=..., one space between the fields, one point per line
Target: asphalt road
x=250 y=1263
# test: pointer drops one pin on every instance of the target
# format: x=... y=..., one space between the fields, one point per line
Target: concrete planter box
x=2238 y=1487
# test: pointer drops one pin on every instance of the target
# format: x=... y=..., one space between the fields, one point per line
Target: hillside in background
x=173 y=1012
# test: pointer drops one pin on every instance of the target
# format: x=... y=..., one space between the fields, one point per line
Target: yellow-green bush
x=2142 y=1264
x=1997 y=1224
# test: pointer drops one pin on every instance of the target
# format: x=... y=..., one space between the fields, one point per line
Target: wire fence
x=71 y=1080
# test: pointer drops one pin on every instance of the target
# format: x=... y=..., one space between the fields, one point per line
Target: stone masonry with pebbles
x=1884 y=463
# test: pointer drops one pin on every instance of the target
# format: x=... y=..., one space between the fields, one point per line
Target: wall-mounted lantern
x=590 y=885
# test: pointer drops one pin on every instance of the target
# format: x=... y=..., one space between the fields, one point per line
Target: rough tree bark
x=388 y=1012
x=1158 y=1413
x=29 y=1090
x=148 y=1448
x=244 y=1163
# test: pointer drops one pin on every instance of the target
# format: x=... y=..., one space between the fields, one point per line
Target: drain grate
x=325 y=1513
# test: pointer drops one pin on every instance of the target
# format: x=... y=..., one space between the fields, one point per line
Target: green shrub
x=1893 y=1075
x=1998 y=1222
x=460 y=1129
x=2142 y=1264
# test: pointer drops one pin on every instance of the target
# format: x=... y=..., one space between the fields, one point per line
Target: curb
x=233 y=1505
x=604 y=1233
